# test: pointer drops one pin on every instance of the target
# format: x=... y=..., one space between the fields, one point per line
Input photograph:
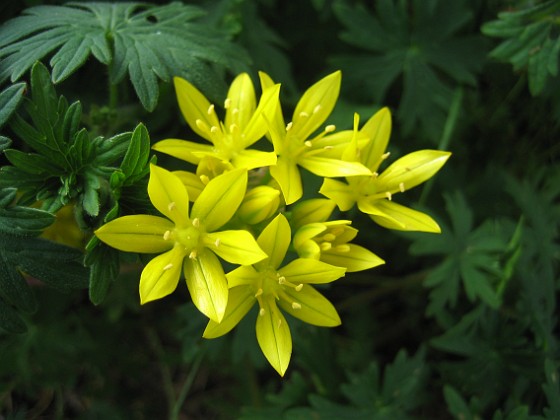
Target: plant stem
x=176 y=409
x=445 y=139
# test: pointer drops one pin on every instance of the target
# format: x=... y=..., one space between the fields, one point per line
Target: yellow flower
x=242 y=127
x=374 y=194
x=270 y=286
x=319 y=155
x=190 y=242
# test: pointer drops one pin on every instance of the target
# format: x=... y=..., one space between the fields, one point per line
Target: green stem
x=157 y=348
x=113 y=96
x=445 y=139
x=176 y=409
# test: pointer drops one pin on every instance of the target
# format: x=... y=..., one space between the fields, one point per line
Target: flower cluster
x=245 y=206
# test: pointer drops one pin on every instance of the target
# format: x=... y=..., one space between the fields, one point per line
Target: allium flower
x=374 y=193
x=270 y=285
x=319 y=155
x=189 y=241
x=242 y=127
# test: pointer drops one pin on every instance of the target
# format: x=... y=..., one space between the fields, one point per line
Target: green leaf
x=9 y=101
x=417 y=40
x=104 y=269
x=135 y=162
x=10 y=321
x=457 y=406
x=24 y=221
x=4 y=143
x=147 y=42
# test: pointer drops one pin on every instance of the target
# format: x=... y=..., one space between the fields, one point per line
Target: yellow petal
x=310 y=306
x=353 y=258
x=192 y=183
x=240 y=301
x=411 y=170
x=220 y=199
x=339 y=192
x=169 y=195
x=306 y=270
x=327 y=167
x=273 y=335
x=257 y=127
x=307 y=232
x=311 y=211
x=315 y=105
x=378 y=130
x=276 y=121
x=274 y=240
x=241 y=101
x=242 y=276
x=195 y=107
x=286 y=173
x=252 y=159
x=188 y=151
x=207 y=284
x=161 y=275
x=235 y=246
x=138 y=233
x=395 y=216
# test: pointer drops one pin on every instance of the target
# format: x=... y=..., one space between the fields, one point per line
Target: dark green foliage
x=531 y=42
x=22 y=253
x=143 y=42
x=416 y=42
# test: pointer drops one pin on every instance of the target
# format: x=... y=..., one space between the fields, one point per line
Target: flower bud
x=259 y=204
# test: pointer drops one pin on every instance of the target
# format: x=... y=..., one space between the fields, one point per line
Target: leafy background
x=458 y=325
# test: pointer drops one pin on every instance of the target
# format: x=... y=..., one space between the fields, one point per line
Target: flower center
x=189 y=237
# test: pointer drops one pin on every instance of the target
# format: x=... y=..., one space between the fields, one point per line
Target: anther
x=296 y=305
x=167 y=267
x=217 y=242
x=389 y=195
x=261 y=312
x=233 y=127
x=330 y=128
x=329 y=237
x=299 y=287
x=193 y=254
x=210 y=109
x=259 y=293
x=282 y=280
x=325 y=246
x=235 y=111
x=214 y=129
x=196 y=222
x=171 y=206
x=289 y=126
x=303 y=114
x=375 y=175
x=317 y=108
x=279 y=323
x=385 y=155
x=308 y=143
x=204 y=179
x=167 y=235
x=328 y=147
x=227 y=103
x=200 y=124
x=342 y=248
x=401 y=186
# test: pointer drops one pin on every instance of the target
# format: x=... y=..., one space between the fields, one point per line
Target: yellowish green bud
x=259 y=204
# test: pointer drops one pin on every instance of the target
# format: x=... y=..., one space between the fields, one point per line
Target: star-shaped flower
x=320 y=155
x=270 y=285
x=374 y=193
x=242 y=127
x=189 y=241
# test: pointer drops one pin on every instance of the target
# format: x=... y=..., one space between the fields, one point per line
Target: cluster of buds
x=245 y=206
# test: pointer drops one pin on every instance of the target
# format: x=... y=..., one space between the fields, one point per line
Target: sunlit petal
x=378 y=130
x=240 y=301
x=220 y=199
x=306 y=270
x=241 y=101
x=310 y=306
x=395 y=216
x=286 y=173
x=251 y=159
x=235 y=246
x=192 y=183
x=207 y=284
x=183 y=149
x=268 y=108
x=273 y=335
x=242 y=276
x=195 y=107
x=137 y=233
x=340 y=193
x=353 y=258
x=315 y=105
x=168 y=195
x=327 y=167
x=411 y=170
x=161 y=275
x=274 y=240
